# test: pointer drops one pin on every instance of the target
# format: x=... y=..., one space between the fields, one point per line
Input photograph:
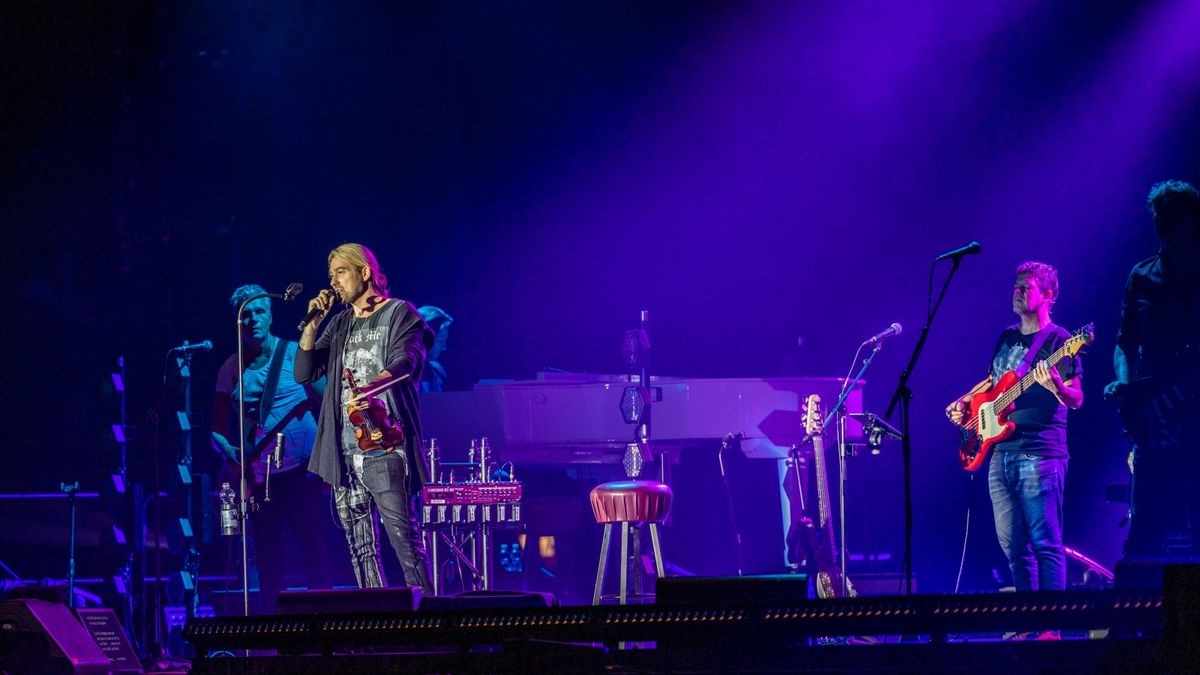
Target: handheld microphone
x=894 y=329
x=308 y=318
x=970 y=249
x=312 y=314
x=205 y=346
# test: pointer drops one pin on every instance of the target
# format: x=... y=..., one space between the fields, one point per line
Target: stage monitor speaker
x=881 y=584
x=349 y=600
x=748 y=590
x=488 y=600
x=1181 y=616
x=37 y=636
x=1140 y=573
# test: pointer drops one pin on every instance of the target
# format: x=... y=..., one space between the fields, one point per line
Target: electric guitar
x=986 y=420
x=819 y=537
x=258 y=443
x=1157 y=411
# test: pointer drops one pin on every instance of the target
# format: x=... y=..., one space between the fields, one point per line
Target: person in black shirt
x=1157 y=364
x=380 y=339
x=1027 y=471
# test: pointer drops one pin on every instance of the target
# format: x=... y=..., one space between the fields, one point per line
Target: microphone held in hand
x=970 y=249
x=894 y=329
x=324 y=301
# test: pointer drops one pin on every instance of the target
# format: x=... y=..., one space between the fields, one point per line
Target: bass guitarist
x=299 y=508
x=1028 y=468
x=1157 y=364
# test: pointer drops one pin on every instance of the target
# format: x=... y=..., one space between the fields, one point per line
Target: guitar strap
x=268 y=395
x=1026 y=363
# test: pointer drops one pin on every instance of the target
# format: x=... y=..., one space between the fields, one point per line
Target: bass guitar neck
x=830 y=579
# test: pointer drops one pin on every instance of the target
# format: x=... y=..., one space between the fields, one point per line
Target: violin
x=373 y=427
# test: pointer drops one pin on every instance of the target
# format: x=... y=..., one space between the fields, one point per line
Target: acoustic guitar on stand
x=985 y=422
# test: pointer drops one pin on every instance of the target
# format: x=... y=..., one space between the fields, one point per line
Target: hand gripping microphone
x=311 y=316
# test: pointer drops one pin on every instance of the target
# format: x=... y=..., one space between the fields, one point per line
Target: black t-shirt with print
x=1040 y=419
x=365 y=352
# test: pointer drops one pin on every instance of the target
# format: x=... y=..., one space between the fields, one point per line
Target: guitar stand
x=466 y=550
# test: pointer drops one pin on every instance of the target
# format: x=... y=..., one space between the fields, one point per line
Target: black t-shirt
x=1160 y=320
x=365 y=354
x=1040 y=419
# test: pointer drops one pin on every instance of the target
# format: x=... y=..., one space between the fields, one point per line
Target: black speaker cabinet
x=472 y=600
x=748 y=590
x=350 y=600
x=37 y=636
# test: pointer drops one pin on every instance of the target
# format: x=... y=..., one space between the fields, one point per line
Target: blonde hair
x=362 y=258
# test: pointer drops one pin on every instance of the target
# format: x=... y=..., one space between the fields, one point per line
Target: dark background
x=771 y=180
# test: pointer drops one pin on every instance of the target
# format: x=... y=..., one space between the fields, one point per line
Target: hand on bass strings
x=954 y=412
x=228 y=449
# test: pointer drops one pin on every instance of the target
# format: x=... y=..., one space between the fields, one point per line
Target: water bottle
x=229 y=512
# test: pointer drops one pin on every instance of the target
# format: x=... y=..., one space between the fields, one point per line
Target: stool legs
x=624 y=561
x=658 y=563
x=603 y=562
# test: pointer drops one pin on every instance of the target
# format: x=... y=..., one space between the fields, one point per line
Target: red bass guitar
x=986 y=420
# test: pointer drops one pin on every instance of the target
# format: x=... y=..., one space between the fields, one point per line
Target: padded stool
x=629 y=503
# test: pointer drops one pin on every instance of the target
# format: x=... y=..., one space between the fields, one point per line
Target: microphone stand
x=903 y=396
x=70 y=489
x=836 y=412
x=243 y=505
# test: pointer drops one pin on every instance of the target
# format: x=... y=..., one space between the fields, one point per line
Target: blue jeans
x=382 y=482
x=1027 y=504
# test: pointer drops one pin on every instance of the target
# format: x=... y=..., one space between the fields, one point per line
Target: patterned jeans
x=1027 y=504
x=381 y=482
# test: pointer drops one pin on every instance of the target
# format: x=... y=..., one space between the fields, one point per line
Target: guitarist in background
x=299 y=507
x=1159 y=342
x=1028 y=469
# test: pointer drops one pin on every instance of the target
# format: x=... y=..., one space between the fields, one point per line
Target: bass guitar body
x=991 y=422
